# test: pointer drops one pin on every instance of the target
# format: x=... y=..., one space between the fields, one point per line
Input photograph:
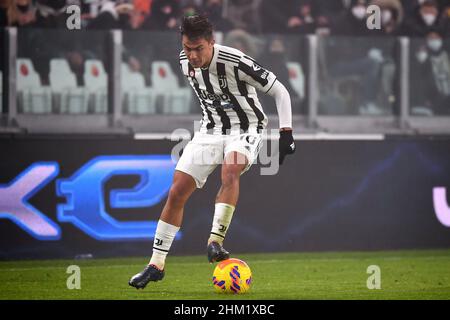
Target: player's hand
x=286 y=144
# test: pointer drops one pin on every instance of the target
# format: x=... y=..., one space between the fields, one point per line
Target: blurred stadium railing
x=124 y=82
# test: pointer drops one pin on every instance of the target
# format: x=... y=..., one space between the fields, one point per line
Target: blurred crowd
x=343 y=17
x=367 y=66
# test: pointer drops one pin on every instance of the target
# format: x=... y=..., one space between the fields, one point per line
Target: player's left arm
x=265 y=81
x=283 y=101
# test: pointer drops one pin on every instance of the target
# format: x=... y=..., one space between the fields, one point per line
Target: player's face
x=198 y=51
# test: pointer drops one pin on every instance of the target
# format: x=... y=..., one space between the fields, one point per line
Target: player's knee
x=177 y=195
x=231 y=175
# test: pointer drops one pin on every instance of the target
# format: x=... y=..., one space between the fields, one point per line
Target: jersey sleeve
x=183 y=63
x=256 y=75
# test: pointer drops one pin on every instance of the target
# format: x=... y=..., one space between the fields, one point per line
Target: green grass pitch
x=404 y=275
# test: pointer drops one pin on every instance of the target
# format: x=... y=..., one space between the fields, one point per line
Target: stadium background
x=370 y=114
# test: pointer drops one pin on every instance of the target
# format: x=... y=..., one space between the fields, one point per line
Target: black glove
x=286 y=145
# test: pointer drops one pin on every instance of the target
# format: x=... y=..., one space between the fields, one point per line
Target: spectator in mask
x=113 y=15
x=420 y=104
x=352 y=21
x=21 y=13
x=437 y=74
x=424 y=20
x=391 y=17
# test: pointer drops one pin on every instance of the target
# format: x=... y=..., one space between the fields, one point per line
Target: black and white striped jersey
x=227 y=91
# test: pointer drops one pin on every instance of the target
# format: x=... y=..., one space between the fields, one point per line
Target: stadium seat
x=296 y=78
x=421 y=111
x=63 y=82
x=176 y=99
x=32 y=96
x=137 y=98
x=96 y=82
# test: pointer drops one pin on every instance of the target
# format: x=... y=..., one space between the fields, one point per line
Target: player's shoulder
x=229 y=50
x=229 y=54
x=183 y=60
x=182 y=55
x=183 y=63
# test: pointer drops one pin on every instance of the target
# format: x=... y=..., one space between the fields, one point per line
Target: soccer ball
x=232 y=276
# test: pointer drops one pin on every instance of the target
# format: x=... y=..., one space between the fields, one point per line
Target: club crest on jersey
x=191 y=73
x=223 y=82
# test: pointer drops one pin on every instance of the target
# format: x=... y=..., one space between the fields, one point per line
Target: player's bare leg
x=232 y=168
x=170 y=221
x=226 y=201
x=182 y=188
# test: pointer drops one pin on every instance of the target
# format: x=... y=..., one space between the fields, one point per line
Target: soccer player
x=225 y=81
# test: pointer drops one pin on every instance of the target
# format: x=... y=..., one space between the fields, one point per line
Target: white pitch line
x=254 y=261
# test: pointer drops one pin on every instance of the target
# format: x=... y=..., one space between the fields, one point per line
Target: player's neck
x=206 y=66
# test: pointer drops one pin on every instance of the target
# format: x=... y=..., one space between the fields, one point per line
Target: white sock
x=222 y=219
x=165 y=233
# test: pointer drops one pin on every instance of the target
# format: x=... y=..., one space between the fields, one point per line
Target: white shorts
x=206 y=151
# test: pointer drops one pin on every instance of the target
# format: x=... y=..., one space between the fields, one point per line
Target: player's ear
x=213 y=41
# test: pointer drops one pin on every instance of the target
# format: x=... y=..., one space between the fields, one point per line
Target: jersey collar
x=212 y=65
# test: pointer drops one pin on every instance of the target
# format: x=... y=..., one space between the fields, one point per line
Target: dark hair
x=196 y=26
x=430 y=3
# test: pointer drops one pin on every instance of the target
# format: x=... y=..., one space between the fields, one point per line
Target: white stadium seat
x=176 y=99
x=296 y=78
x=96 y=82
x=63 y=82
x=138 y=98
x=32 y=96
